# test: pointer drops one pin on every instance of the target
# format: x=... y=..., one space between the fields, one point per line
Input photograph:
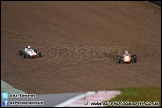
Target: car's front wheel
x=35 y=50
x=134 y=58
x=39 y=54
x=25 y=55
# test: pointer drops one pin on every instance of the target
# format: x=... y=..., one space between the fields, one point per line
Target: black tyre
x=39 y=53
x=119 y=58
x=25 y=56
x=134 y=58
x=134 y=54
x=35 y=50
x=21 y=52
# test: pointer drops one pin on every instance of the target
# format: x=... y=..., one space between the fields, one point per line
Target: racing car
x=127 y=58
x=29 y=52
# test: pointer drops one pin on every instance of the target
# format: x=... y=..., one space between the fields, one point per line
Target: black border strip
x=156 y=2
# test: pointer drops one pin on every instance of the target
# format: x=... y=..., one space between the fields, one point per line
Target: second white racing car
x=29 y=52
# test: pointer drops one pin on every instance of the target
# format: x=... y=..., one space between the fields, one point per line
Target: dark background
x=156 y=2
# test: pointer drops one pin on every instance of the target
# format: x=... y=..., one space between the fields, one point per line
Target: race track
x=80 y=42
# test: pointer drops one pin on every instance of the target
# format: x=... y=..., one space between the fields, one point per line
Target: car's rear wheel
x=21 y=52
x=119 y=58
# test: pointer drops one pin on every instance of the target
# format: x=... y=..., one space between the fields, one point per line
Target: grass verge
x=137 y=97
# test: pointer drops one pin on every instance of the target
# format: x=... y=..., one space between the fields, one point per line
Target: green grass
x=147 y=95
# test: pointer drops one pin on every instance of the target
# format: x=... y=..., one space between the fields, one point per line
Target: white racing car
x=29 y=52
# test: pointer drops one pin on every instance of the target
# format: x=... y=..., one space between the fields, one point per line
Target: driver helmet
x=29 y=47
x=126 y=52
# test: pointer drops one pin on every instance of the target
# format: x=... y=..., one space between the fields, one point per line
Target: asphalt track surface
x=80 y=42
